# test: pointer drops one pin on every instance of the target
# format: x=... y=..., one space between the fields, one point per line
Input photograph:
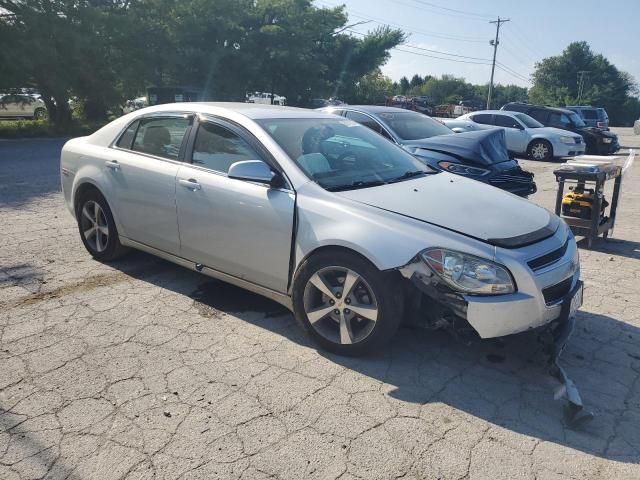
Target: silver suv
x=22 y=106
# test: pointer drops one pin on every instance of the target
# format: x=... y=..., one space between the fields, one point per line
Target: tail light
x=600 y=124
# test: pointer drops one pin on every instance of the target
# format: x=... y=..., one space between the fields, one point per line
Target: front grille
x=509 y=178
x=557 y=292
x=548 y=258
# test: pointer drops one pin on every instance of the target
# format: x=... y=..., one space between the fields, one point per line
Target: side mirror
x=458 y=130
x=252 y=171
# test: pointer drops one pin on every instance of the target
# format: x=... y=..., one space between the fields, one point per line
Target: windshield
x=341 y=154
x=577 y=120
x=528 y=121
x=413 y=125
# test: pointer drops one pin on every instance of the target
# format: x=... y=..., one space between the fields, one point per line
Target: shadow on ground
x=501 y=382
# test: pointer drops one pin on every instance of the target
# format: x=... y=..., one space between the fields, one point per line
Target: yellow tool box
x=579 y=202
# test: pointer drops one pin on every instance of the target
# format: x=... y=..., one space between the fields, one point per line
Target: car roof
x=254 y=111
x=370 y=108
x=494 y=112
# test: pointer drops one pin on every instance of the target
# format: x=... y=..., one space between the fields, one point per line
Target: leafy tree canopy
x=105 y=51
x=556 y=82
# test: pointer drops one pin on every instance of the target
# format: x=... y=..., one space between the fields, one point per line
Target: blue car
x=481 y=155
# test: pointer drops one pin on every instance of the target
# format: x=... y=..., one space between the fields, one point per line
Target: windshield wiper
x=409 y=174
x=355 y=185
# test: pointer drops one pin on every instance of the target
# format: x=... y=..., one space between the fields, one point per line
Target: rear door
x=141 y=171
x=234 y=226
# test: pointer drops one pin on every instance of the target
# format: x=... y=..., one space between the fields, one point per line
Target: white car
x=525 y=135
x=22 y=106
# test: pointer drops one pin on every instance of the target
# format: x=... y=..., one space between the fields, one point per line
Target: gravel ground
x=141 y=369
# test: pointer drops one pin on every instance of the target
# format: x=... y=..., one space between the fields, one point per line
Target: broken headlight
x=463 y=169
x=467 y=273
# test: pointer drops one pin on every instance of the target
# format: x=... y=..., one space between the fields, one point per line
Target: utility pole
x=581 y=75
x=495 y=43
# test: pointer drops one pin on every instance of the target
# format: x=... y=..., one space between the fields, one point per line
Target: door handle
x=191 y=184
x=112 y=164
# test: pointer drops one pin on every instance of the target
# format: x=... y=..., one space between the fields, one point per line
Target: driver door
x=517 y=138
x=237 y=227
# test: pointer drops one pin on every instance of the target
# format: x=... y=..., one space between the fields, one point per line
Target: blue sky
x=537 y=29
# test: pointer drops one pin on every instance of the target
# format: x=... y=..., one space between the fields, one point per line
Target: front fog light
x=468 y=273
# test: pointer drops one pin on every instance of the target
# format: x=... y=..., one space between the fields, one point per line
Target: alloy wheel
x=539 y=151
x=94 y=226
x=340 y=305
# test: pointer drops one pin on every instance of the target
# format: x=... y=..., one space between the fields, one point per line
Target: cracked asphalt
x=143 y=370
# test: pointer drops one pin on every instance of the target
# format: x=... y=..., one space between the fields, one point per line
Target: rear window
x=161 y=137
x=483 y=118
x=412 y=125
x=589 y=114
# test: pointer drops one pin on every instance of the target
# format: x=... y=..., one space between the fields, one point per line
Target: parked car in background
x=592 y=116
x=482 y=156
x=135 y=104
x=265 y=98
x=598 y=141
x=324 y=216
x=636 y=127
x=22 y=105
x=524 y=135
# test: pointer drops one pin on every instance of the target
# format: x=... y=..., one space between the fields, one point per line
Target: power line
x=511 y=72
x=440 y=58
x=445 y=53
x=408 y=45
x=482 y=16
x=426 y=33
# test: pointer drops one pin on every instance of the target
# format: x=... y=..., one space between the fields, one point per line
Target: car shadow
x=615 y=246
x=502 y=382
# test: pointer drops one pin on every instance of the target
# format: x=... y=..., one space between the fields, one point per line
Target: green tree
x=404 y=85
x=557 y=81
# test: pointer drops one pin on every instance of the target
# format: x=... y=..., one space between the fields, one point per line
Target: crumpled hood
x=598 y=132
x=464 y=206
x=483 y=147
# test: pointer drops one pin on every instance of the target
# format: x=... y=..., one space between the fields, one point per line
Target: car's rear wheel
x=97 y=228
x=40 y=114
x=540 y=150
x=345 y=303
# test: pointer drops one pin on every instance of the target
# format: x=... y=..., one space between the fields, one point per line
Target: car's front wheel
x=40 y=114
x=97 y=228
x=540 y=150
x=345 y=303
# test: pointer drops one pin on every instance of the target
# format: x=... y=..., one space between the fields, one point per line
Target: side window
x=483 y=118
x=559 y=120
x=539 y=114
x=338 y=112
x=217 y=148
x=126 y=139
x=506 y=121
x=365 y=120
x=161 y=137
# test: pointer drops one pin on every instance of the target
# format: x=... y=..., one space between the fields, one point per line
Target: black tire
x=40 y=114
x=386 y=294
x=103 y=251
x=538 y=145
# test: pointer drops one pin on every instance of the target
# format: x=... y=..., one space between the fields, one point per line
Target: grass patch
x=42 y=128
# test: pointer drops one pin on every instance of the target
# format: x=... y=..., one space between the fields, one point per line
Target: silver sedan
x=323 y=215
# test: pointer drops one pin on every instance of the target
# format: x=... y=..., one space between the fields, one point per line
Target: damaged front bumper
x=502 y=315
